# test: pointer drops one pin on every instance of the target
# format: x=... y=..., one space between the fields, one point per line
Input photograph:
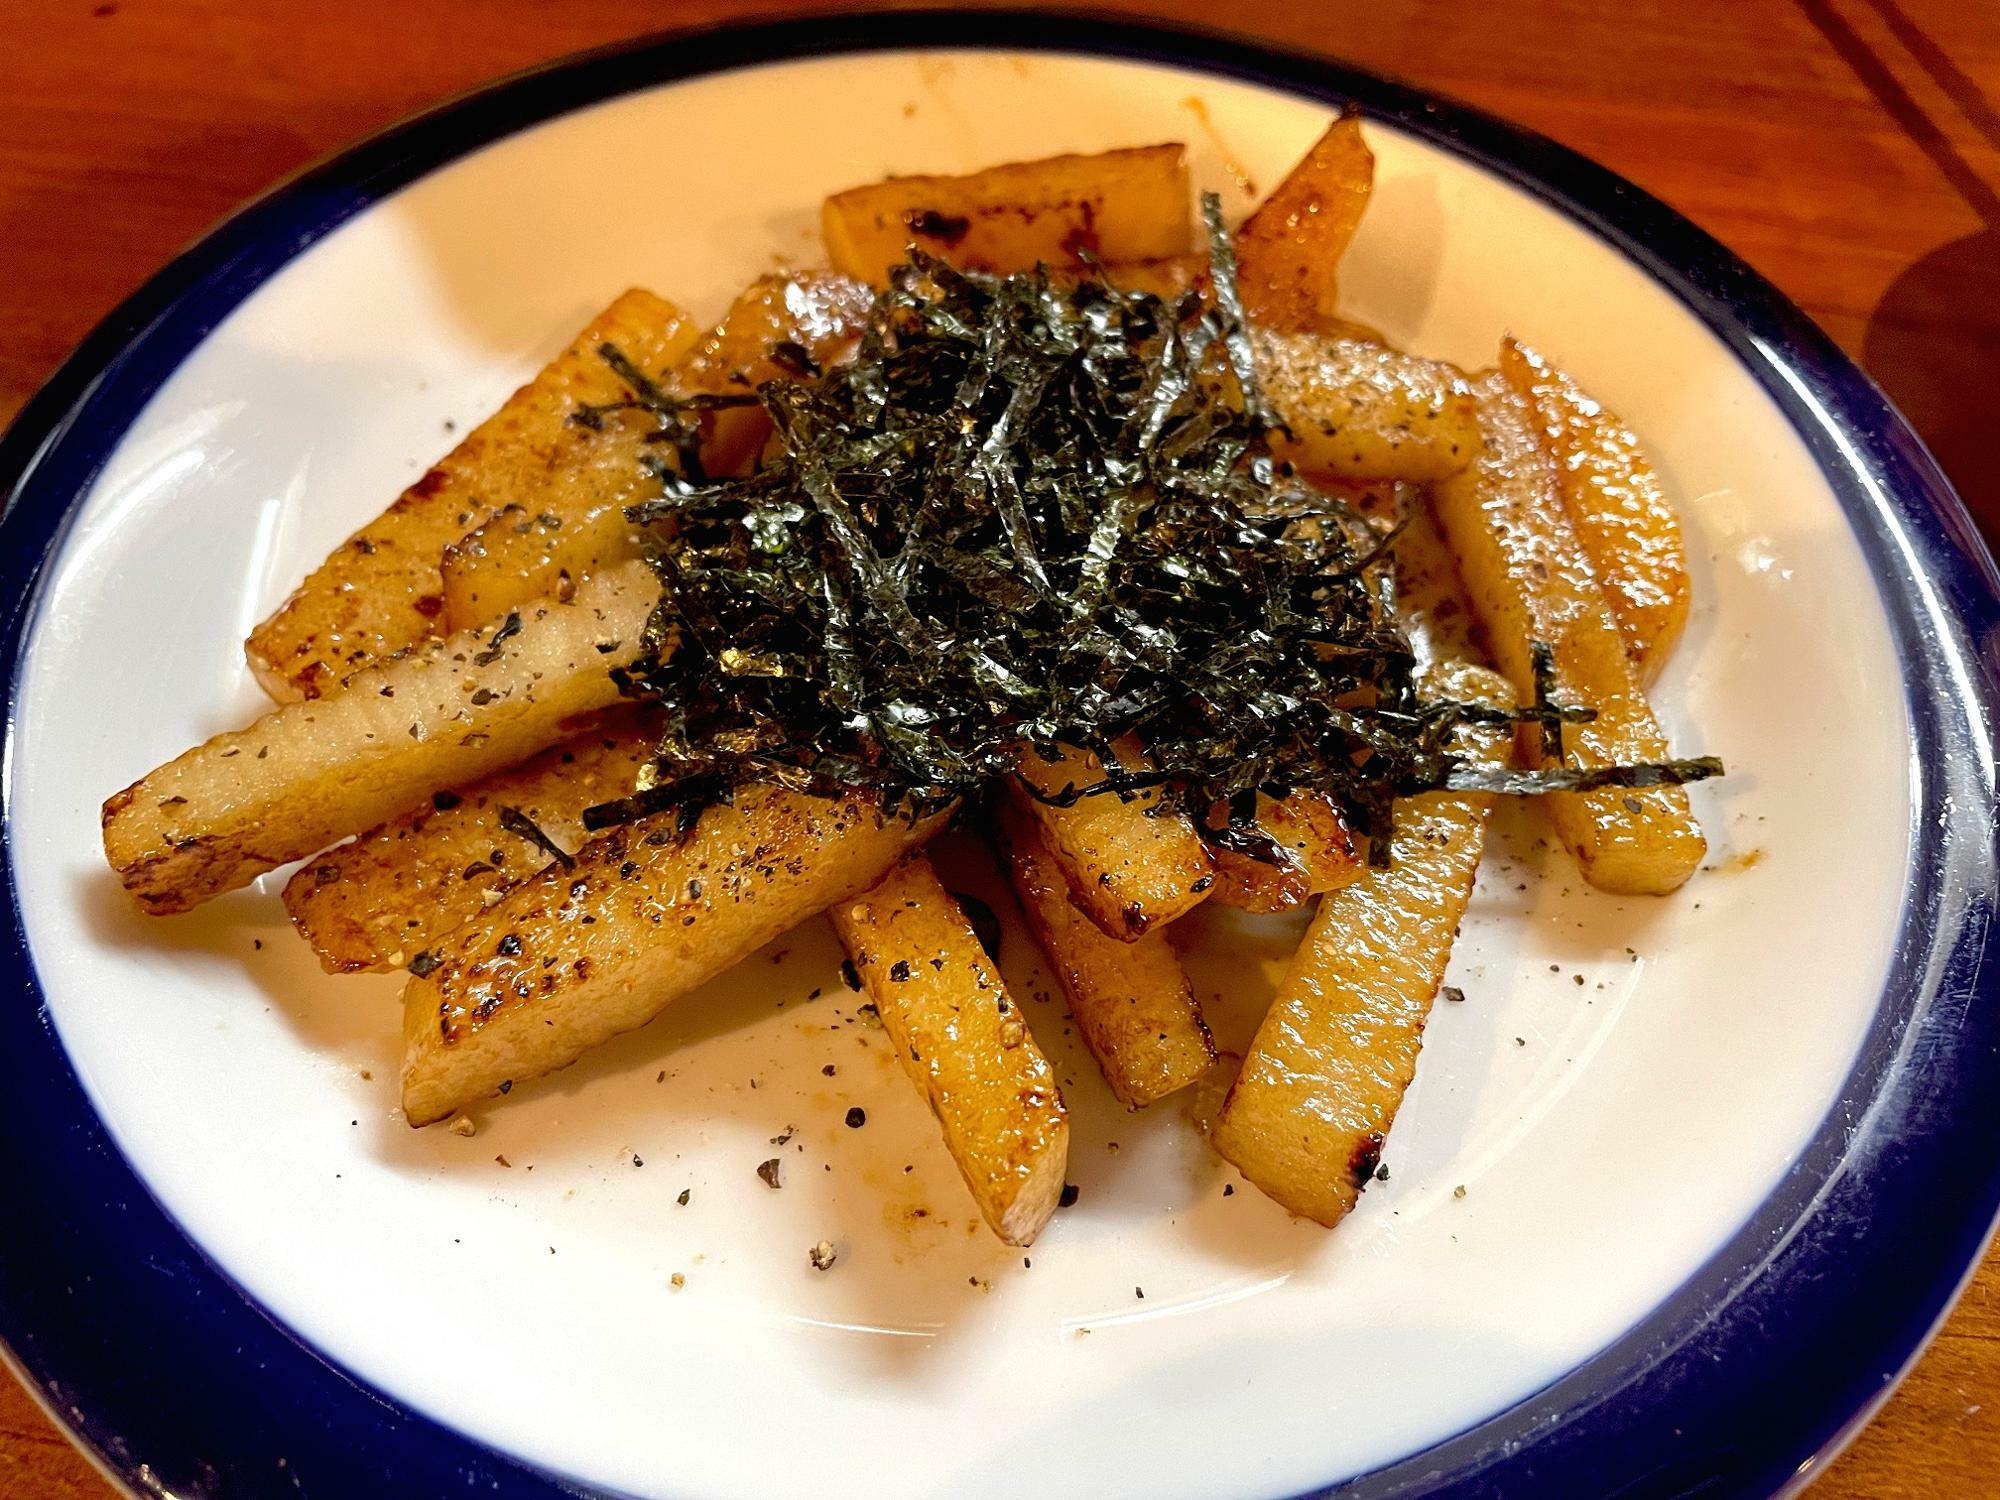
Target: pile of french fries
x=445 y=712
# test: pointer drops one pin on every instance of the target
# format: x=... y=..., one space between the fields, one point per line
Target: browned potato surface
x=1360 y=412
x=1129 y=870
x=1430 y=595
x=1249 y=884
x=1115 y=205
x=964 y=1043
x=374 y=902
x=575 y=529
x=1316 y=853
x=821 y=312
x=1130 y=1001
x=309 y=773
x=1621 y=513
x=515 y=556
x=380 y=590
x=1320 y=1086
x=1288 y=252
x=576 y=955
x=1529 y=580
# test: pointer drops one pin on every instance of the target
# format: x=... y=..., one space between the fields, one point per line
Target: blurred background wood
x=1849 y=149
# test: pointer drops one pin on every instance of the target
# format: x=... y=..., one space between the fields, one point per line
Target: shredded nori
x=1037 y=513
x=522 y=826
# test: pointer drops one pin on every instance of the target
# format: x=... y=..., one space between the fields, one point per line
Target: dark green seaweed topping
x=1467 y=777
x=794 y=359
x=1037 y=513
x=679 y=417
x=522 y=826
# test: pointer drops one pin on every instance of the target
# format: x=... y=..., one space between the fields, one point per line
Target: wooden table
x=1849 y=149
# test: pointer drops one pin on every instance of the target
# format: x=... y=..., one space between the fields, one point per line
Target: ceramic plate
x=1678 y=1190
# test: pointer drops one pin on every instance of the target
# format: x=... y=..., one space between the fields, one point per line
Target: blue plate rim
x=177 y=1382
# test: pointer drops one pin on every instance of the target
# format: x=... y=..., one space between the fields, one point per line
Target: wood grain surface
x=1849 y=149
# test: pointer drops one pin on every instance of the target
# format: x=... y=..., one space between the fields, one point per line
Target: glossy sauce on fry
x=1131 y=867
x=375 y=902
x=963 y=1042
x=1321 y=1084
x=577 y=955
x=1615 y=500
x=1131 y=1001
x=1530 y=580
x=380 y=591
x=1358 y=411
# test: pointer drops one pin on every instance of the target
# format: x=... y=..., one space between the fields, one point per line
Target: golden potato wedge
x=309 y=773
x=1131 y=1001
x=1360 y=412
x=574 y=956
x=393 y=891
x=379 y=592
x=963 y=1042
x=1430 y=597
x=515 y=556
x=1316 y=853
x=1431 y=600
x=1113 y=205
x=1246 y=884
x=821 y=312
x=1622 y=516
x=1321 y=1083
x=1129 y=870
x=1530 y=580
x=575 y=529
x=1288 y=252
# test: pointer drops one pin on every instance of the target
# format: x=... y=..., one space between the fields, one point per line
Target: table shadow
x=1931 y=344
